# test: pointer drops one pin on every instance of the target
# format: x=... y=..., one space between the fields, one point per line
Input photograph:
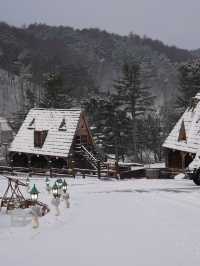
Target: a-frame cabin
x=183 y=142
x=54 y=138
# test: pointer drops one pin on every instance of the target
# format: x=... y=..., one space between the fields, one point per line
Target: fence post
x=99 y=168
x=50 y=168
x=72 y=165
x=83 y=175
x=11 y=164
x=117 y=170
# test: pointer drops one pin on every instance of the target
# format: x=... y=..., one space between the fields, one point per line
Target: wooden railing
x=89 y=157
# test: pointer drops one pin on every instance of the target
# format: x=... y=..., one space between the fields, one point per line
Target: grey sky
x=172 y=21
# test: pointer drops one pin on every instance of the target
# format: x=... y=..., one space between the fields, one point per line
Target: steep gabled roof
x=58 y=142
x=188 y=125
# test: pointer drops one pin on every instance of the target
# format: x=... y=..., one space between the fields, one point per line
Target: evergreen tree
x=133 y=98
x=189 y=83
x=152 y=137
x=31 y=99
x=54 y=94
x=168 y=118
x=111 y=124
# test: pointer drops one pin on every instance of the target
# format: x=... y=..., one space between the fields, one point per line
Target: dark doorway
x=39 y=162
x=59 y=163
x=20 y=160
x=174 y=159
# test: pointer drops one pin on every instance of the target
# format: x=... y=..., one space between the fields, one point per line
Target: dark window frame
x=39 y=138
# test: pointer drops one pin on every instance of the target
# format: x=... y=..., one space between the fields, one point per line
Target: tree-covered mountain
x=88 y=59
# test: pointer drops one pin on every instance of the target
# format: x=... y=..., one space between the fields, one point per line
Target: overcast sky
x=175 y=22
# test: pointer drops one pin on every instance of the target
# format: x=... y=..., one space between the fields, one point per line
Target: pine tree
x=151 y=139
x=133 y=98
x=54 y=94
x=189 y=83
x=31 y=99
x=111 y=124
x=115 y=128
x=168 y=118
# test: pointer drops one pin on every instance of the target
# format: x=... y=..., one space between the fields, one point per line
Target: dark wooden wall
x=178 y=159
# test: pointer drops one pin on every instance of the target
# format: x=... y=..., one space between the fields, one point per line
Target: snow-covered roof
x=191 y=121
x=58 y=140
x=4 y=126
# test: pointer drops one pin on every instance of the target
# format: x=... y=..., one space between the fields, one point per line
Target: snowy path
x=112 y=223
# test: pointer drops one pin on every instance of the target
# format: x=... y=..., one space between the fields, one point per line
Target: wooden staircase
x=93 y=158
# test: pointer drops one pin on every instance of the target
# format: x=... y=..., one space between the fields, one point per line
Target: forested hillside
x=88 y=59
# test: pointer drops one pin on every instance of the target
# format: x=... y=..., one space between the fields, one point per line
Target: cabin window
x=32 y=124
x=63 y=126
x=182 y=133
x=39 y=138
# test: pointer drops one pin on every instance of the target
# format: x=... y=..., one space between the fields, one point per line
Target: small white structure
x=56 y=202
x=36 y=213
x=65 y=197
x=183 y=142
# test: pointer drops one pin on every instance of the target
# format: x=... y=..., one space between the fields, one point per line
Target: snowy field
x=110 y=223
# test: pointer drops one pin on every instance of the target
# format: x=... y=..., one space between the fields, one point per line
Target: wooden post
x=117 y=169
x=11 y=161
x=50 y=168
x=166 y=156
x=29 y=163
x=51 y=172
x=183 y=154
x=73 y=171
x=99 y=168
x=66 y=163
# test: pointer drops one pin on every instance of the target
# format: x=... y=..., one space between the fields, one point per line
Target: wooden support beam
x=99 y=168
x=183 y=154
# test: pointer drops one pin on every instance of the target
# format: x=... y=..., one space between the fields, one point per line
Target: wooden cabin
x=54 y=138
x=183 y=142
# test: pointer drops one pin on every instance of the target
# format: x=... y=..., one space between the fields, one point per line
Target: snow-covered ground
x=110 y=223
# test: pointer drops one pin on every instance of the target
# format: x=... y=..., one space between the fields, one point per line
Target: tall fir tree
x=133 y=98
x=189 y=83
x=152 y=137
x=54 y=95
x=111 y=124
